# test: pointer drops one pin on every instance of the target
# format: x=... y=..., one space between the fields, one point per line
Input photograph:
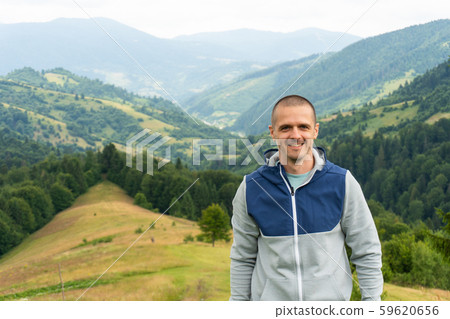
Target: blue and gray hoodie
x=289 y=243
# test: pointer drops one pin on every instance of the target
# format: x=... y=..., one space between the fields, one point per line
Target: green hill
x=18 y=151
x=425 y=99
x=61 y=108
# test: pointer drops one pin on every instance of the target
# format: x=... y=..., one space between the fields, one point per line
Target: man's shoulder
x=259 y=171
x=324 y=166
x=332 y=168
x=263 y=172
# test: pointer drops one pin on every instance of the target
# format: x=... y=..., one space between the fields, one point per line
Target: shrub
x=188 y=238
x=141 y=200
x=429 y=267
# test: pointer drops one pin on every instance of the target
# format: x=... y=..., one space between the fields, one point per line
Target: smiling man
x=293 y=216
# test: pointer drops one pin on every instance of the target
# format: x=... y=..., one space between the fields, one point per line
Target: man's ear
x=271 y=130
x=316 y=131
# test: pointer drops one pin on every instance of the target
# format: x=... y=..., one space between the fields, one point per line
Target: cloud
x=168 y=18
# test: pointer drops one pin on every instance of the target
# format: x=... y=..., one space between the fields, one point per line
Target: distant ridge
x=268 y=46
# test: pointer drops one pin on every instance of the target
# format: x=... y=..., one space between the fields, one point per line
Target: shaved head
x=291 y=100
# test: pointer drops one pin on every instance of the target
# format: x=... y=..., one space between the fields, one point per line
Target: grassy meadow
x=89 y=237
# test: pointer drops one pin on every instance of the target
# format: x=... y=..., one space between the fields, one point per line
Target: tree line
x=31 y=195
x=161 y=189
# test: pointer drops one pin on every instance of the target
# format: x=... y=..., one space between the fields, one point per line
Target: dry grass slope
x=160 y=266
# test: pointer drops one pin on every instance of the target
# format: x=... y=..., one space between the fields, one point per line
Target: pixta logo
x=150 y=148
x=213 y=150
x=218 y=155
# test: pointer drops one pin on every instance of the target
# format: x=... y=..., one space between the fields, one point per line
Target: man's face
x=294 y=131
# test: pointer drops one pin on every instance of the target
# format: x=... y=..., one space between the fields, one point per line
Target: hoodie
x=289 y=243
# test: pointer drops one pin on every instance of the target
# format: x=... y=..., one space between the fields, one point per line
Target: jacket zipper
x=296 y=249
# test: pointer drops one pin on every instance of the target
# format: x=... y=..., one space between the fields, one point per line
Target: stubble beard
x=296 y=158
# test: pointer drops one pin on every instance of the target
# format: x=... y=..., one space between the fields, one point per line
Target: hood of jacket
x=273 y=167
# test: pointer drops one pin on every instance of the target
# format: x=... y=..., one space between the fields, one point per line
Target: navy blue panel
x=273 y=215
x=319 y=203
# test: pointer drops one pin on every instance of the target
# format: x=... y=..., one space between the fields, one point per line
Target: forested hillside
x=360 y=73
x=160 y=190
x=425 y=99
x=17 y=150
x=408 y=173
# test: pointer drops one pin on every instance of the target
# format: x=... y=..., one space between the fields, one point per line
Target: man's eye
x=285 y=128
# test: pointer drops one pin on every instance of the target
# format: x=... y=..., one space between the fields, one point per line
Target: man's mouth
x=296 y=144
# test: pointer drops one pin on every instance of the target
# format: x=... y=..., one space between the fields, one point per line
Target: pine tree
x=188 y=209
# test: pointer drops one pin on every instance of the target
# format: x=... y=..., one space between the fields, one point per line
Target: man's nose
x=295 y=133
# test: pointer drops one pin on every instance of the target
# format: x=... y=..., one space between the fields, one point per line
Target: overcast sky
x=169 y=18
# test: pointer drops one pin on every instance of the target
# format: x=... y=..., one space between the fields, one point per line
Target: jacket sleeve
x=362 y=237
x=244 y=248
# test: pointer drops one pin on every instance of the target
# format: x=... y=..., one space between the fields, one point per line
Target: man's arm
x=362 y=237
x=244 y=248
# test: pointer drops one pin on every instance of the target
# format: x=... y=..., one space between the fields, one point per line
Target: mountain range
x=105 y=49
x=210 y=72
